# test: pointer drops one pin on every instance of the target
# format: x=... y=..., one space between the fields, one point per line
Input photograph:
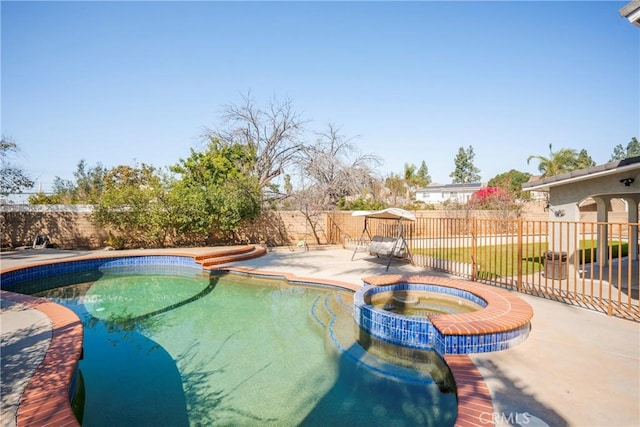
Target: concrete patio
x=577 y=368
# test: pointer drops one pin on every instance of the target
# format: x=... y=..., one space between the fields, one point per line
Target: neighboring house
x=438 y=193
x=537 y=195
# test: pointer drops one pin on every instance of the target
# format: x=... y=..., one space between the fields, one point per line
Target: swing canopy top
x=389 y=213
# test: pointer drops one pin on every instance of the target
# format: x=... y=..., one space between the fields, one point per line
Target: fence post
x=474 y=244
x=519 y=243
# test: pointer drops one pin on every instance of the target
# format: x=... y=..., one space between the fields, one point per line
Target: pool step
x=326 y=308
x=318 y=313
x=210 y=260
x=341 y=330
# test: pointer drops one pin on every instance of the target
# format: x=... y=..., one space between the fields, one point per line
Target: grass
x=497 y=261
x=615 y=247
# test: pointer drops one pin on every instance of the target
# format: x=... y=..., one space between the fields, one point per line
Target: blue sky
x=120 y=82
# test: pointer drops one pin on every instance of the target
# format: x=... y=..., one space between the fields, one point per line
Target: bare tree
x=13 y=178
x=274 y=133
x=332 y=169
x=334 y=166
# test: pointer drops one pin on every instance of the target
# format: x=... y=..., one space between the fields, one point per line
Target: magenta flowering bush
x=490 y=198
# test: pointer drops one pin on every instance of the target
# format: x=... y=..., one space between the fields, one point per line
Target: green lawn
x=502 y=260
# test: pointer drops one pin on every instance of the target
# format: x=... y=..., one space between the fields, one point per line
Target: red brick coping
x=45 y=400
x=504 y=311
x=475 y=407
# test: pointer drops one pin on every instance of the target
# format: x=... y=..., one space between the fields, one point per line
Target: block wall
x=70 y=227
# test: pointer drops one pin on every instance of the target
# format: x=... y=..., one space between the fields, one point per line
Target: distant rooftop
x=432 y=187
x=582 y=174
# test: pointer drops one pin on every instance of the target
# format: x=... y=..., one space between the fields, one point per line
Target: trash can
x=555 y=265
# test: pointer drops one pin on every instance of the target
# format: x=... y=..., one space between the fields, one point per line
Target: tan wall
x=71 y=226
x=65 y=229
x=285 y=228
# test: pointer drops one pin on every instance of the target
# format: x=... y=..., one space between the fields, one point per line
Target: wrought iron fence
x=559 y=260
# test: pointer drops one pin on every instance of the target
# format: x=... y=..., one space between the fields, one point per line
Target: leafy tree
x=465 y=171
x=511 y=182
x=86 y=188
x=632 y=150
x=216 y=190
x=396 y=186
x=619 y=153
x=132 y=207
x=415 y=177
x=424 y=179
x=561 y=161
x=40 y=198
x=13 y=179
x=361 y=204
x=409 y=176
x=584 y=160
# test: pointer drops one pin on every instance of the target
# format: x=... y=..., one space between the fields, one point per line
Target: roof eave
x=545 y=186
x=631 y=11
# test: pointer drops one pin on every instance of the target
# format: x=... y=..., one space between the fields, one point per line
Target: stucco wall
x=71 y=226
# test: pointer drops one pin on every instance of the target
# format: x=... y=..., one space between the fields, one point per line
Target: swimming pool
x=178 y=346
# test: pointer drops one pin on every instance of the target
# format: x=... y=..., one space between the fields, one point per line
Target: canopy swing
x=387 y=246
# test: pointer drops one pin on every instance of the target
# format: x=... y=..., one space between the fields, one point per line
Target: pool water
x=422 y=303
x=185 y=348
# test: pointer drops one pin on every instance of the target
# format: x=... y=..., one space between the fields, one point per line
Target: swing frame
x=386 y=246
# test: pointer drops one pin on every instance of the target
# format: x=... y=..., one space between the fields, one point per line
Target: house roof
x=617 y=166
x=631 y=11
x=439 y=187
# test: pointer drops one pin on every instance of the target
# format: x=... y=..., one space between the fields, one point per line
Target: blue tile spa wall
x=418 y=332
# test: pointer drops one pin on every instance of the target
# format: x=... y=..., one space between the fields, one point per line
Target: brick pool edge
x=45 y=399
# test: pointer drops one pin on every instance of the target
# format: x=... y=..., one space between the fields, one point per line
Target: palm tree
x=563 y=160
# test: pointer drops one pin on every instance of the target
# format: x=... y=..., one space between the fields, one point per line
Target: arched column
x=632 y=218
x=603 y=204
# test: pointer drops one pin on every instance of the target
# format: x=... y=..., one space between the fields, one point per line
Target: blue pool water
x=180 y=347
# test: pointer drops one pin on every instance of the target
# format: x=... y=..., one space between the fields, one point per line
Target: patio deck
x=577 y=367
